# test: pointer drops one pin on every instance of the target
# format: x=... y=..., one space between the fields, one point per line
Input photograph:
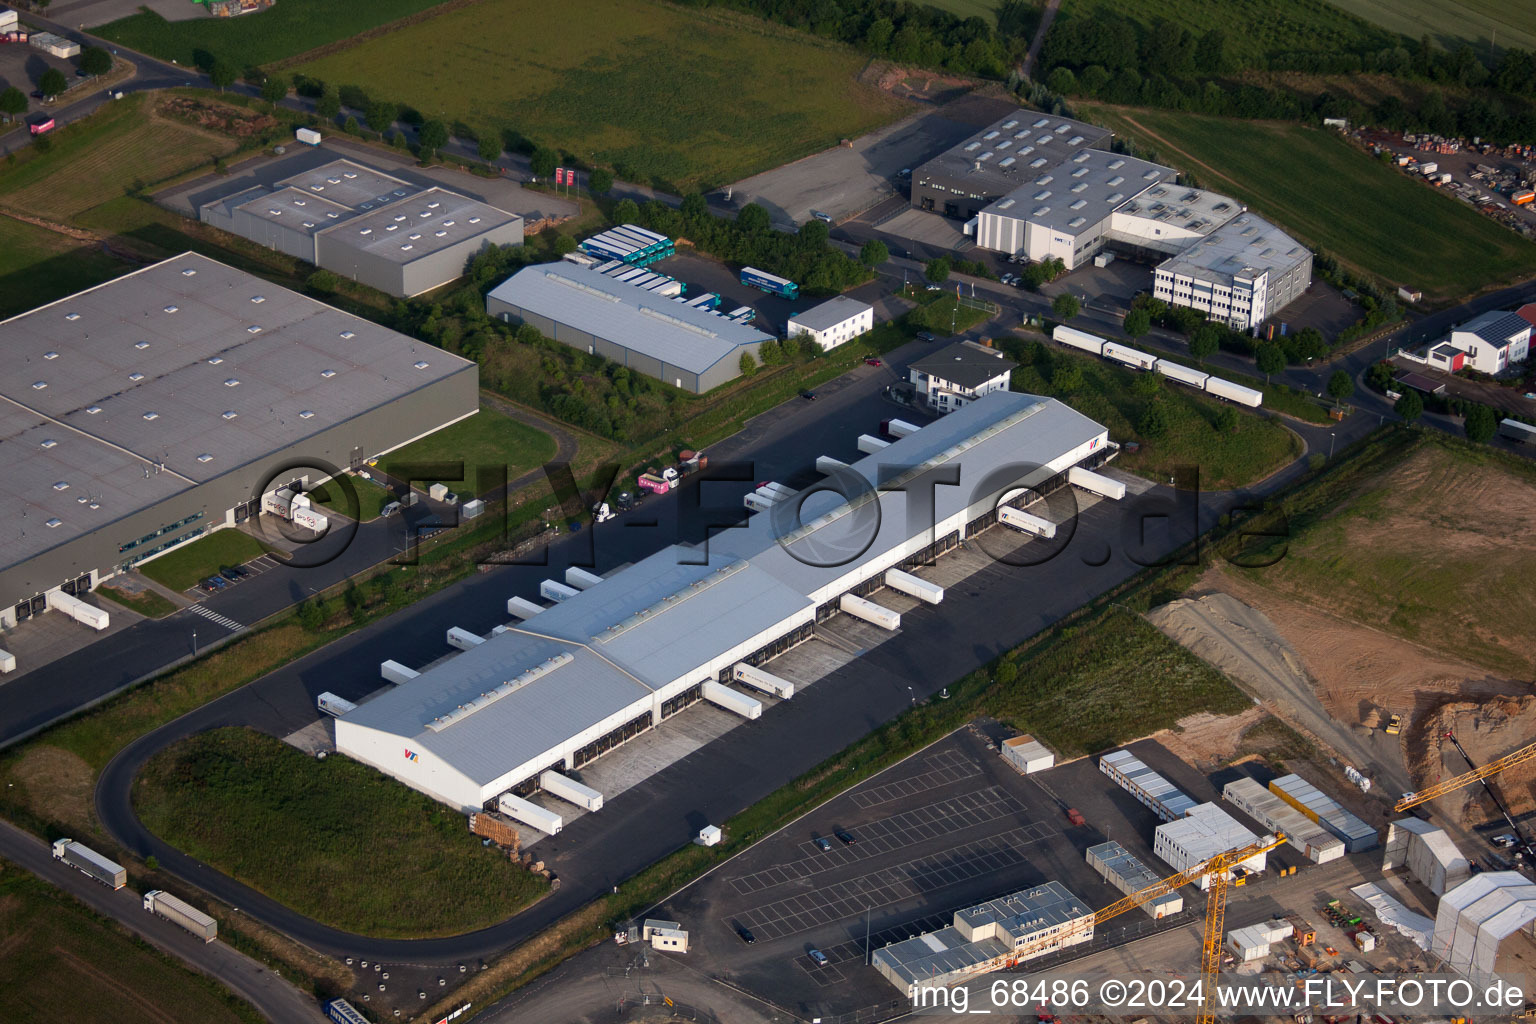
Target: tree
x=813 y=234
x=753 y=219
x=52 y=83
x=1204 y=342
x=693 y=206
x=275 y=89
x=1154 y=421
x=627 y=211
x=350 y=125
x=1147 y=385
x=12 y=102
x=1067 y=376
x=433 y=136
x=564 y=244
x=1062 y=81
x=600 y=181
x=1410 y=407
x=328 y=105
x=937 y=270
x=543 y=162
x=1269 y=359
x=222 y=74
x=322 y=281
x=1481 y=423
x=748 y=364
x=310 y=615
x=1137 y=323
x=874 y=253
x=1066 y=306
x=791 y=347
x=381 y=115
x=489 y=146
x=1226 y=419
x=1341 y=385
x=95 y=61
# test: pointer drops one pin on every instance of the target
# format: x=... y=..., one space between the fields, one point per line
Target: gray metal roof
x=584 y=299
x=1014 y=150
x=1245 y=246
x=142 y=370
x=1182 y=206
x=292 y=208
x=1073 y=195
x=1497 y=327
x=418 y=225
x=965 y=363
x=831 y=313
x=351 y=184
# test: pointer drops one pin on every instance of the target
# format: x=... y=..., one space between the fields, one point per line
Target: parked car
x=809 y=396
x=207 y=585
x=746 y=936
x=1006 y=279
x=818 y=958
x=847 y=837
x=825 y=218
x=822 y=843
x=926 y=336
x=389 y=510
x=872 y=362
x=229 y=574
x=216 y=582
x=1504 y=841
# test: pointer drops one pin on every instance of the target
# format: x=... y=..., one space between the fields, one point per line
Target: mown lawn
x=202 y=558
x=334 y=839
x=1333 y=196
x=484 y=441
x=146 y=602
x=38 y=266
x=663 y=93
x=63 y=962
x=370 y=498
x=285 y=30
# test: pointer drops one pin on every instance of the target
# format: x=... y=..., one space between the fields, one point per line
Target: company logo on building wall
x=410 y=755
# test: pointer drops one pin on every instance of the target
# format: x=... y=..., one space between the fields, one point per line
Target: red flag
x=559 y=175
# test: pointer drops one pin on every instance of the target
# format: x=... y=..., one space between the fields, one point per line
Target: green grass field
x=1397 y=550
x=285 y=30
x=1237 y=458
x=1335 y=197
x=681 y=95
x=370 y=498
x=183 y=567
x=61 y=961
x=985 y=9
x=146 y=603
x=334 y=839
x=486 y=439
x=1504 y=23
x=38 y=266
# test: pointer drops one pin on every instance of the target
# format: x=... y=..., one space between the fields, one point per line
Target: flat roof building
x=684 y=346
x=1240 y=274
x=959 y=373
x=153 y=408
x=577 y=679
x=1010 y=153
x=401 y=238
x=835 y=321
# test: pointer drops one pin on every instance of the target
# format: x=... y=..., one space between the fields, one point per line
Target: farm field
x=1453 y=22
x=38 y=266
x=58 y=955
x=334 y=839
x=688 y=97
x=1398 y=551
x=1334 y=197
x=286 y=30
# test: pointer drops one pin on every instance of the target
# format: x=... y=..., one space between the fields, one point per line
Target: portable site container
x=731 y=700
x=1316 y=843
x=861 y=608
x=1165 y=799
x=760 y=679
x=1205 y=831
x=308 y=136
x=1248 y=944
x=914 y=586
x=394 y=672
x=1323 y=809
x=1117 y=866
x=1182 y=374
x=1028 y=755
x=333 y=705
x=1074 y=338
x=1129 y=356
x=1234 y=392
x=571 y=791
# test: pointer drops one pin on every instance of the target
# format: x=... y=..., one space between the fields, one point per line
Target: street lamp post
x=1330 y=446
x=194 y=641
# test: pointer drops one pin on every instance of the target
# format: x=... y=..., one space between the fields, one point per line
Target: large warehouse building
x=605 y=663
x=368 y=226
x=149 y=410
x=685 y=346
x=1048 y=187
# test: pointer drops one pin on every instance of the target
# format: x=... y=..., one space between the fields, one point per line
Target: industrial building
x=616 y=656
x=983 y=938
x=1479 y=914
x=1203 y=832
x=367 y=226
x=1488 y=343
x=1046 y=187
x=833 y=322
x=150 y=410
x=689 y=347
x=1427 y=852
x=959 y=373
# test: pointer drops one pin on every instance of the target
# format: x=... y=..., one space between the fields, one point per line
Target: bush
x=937 y=270
x=748 y=364
x=1154 y=421
x=600 y=181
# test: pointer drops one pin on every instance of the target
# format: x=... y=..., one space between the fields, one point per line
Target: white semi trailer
x=1025 y=523
x=571 y=791
x=333 y=705
x=758 y=679
x=530 y=814
x=87 y=861
x=163 y=904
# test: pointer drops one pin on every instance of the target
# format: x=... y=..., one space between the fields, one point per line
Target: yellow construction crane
x=1215 y=911
x=1520 y=756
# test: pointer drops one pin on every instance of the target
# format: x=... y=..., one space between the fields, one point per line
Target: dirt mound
x=1234 y=638
x=1488 y=730
x=215 y=117
x=1209 y=741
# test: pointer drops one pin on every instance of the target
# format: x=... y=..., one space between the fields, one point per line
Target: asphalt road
x=273 y=997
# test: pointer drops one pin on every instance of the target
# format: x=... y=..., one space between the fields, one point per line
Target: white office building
x=958 y=374
x=1493 y=341
x=833 y=322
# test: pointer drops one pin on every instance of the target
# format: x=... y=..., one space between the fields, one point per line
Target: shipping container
x=1096 y=483
x=1117 y=866
x=862 y=608
x=1234 y=392
x=463 y=639
x=761 y=679
x=1182 y=374
x=333 y=705
x=1074 y=338
x=731 y=700
x=530 y=814
x=571 y=791
x=1309 y=838
x=553 y=590
x=1129 y=356
x=1323 y=809
x=308 y=136
x=522 y=608
x=84 y=859
x=581 y=579
x=914 y=586
x=898 y=428
x=771 y=283
x=1514 y=430
x=394 y=672
x=158 y=901
x=869 y=445
x=1022 y=521
x=1149 y=788
x=827 y=465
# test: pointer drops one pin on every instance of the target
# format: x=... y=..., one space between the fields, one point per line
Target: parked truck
x=308 y=136
x=83 y=858
x=771 y=283
x=1514 y=430
x=158 y=901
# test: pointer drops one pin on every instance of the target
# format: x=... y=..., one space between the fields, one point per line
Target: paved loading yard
x=943 y=830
